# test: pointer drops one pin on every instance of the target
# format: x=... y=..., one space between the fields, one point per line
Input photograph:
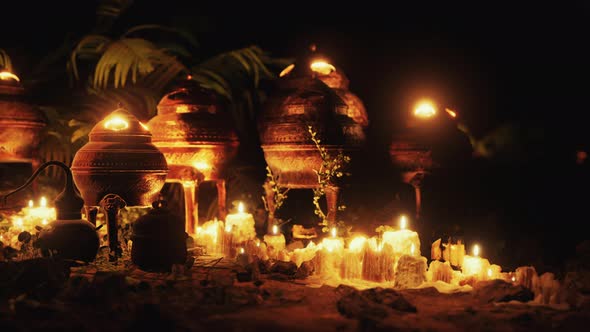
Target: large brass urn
x=120 y=159
x=198 y=139
x=118 y=167
x=21 y=126
x=303 y=101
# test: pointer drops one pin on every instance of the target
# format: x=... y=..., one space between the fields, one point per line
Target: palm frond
x=89 y=47
x=187 y=36
x=233 y=71
x=5 y=62
x=135 y=56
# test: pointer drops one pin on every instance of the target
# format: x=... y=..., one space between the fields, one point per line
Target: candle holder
x=21 y=126
x=198 y=140
x=118 y=167
x=303 y=99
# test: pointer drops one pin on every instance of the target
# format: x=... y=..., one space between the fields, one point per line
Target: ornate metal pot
x=198 y=139
x=302 y=100
x=412 y=157
x=21 y=124
x=118 y=167
x=120 y=159
x=159 y=240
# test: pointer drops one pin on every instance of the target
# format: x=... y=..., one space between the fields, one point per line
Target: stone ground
x=209 y=298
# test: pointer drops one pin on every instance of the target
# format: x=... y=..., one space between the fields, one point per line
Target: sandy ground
x=211 y=299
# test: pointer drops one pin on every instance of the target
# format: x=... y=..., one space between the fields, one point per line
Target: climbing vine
x=332 y=168
x=280 y=194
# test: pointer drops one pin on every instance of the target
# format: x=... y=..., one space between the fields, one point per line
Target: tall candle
x=352 y=262
x=378 y=261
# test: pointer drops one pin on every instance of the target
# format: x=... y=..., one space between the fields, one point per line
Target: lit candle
x=352 y=262
x=475 y=266
x=241 y=225
x=275 y=242
x=378 y=261
x=330 y=255
x=403 y=239
x=209 y=236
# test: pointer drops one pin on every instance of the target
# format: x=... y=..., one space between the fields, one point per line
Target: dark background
x=523 y=65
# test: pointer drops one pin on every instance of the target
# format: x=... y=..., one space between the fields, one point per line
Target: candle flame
x=116 y=123
x=357 y=244
x=31 y=203
x=403 y=222
x=287 y=70
x=322 y=67
x=240 y=207
x=450 y=112
x=476 y=250
x=258 y=243
x=43 y=202
x=425 y=109
x=513 y=279
x=334 y=232
x=6 y=75
x=412 y=249
x=241 y=250
x=275 y=229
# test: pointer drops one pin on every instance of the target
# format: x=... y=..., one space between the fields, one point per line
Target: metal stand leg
x=270 y=205
x=91 y=212
x=221 y=199
x=332 y=202
x=191 y=206
x=111 y=204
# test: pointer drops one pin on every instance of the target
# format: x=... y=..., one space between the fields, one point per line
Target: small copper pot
x=120 y=159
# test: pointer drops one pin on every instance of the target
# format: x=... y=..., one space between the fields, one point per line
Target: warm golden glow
x=44 y=222
x=228 y=228
x=425 y=109
x=240 y=207
x=202 y=166
x=275 y=229
x=242 y=250
x=403 y=222
x=258 y=243
x=6 y=75
x=116 y=124
x=450 y=112
x=43 y=202
x=31 y=203
x=489 y=272
x=18 y=222
x=334 y=231
x=476 y=250
x=357 y=244
x=287 y=70
x=188 y=184
x=412 y=249
x=322 y=67
x=144 y=126
x=513 y=279
x=182 y=109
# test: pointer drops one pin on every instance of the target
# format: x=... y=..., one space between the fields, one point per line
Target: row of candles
x=394 y=256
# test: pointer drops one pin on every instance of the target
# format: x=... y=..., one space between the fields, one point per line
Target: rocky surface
x=210 y=297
